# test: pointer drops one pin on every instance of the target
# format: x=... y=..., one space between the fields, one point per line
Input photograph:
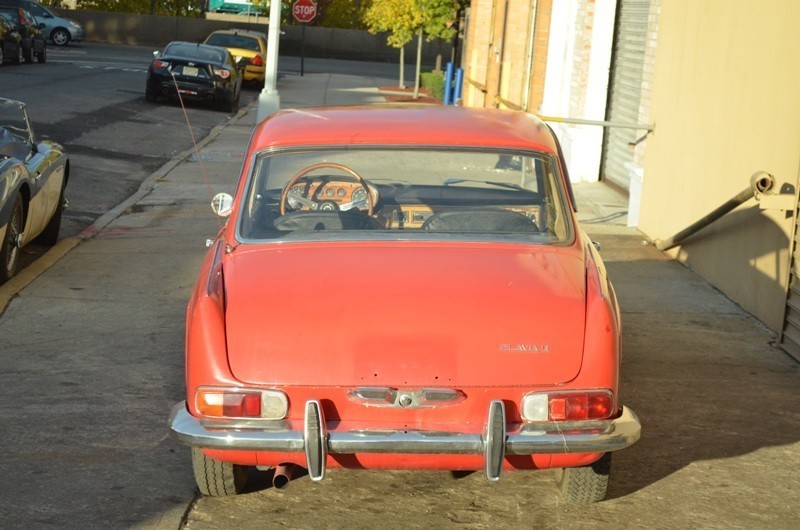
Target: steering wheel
x=315 y=205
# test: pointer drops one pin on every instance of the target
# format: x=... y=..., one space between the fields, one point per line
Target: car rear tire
x=151 y=96
x=27 y=55
x=585 y=484
x=215 y=478
x=41 y=57
x=60 y=37
x=9 y=251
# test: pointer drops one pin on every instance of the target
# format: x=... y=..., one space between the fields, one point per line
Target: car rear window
x=416 y=193
x=233 y=41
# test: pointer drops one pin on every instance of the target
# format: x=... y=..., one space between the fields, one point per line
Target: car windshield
x=233 y=41
x=15 y=132
x=404 y=193
x=13 y=119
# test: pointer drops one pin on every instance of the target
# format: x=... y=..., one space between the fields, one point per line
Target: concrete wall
x=725 y=105
x=147 y=30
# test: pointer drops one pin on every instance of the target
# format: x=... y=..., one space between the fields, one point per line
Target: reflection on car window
x=196 y=51
x=404 y=193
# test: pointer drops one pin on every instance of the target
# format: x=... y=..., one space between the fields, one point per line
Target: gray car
x=33 y=176
x=58 y=29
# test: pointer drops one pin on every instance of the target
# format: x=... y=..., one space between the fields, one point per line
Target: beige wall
x=725 y=104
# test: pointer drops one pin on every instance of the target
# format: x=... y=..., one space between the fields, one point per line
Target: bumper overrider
x=496 y=441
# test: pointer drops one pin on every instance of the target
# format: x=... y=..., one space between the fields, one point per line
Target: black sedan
x=195 y=71
x=33 y=40
x=10 y=43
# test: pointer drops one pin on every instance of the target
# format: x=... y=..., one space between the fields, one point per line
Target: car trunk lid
x=410 y=314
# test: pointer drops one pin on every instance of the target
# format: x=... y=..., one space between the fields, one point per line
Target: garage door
x=625 y=89
x=790 y=335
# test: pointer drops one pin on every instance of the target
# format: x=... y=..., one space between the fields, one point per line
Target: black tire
x=41 y=57
x=215 y=478
x=20 y=58
x=27 y=55
x=2 y=54
x=9 y=251
x=49 y=235
x=60 y=37
x=585 y=484
x=151 y=96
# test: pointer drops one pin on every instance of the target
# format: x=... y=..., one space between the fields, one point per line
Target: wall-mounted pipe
x=760 y=183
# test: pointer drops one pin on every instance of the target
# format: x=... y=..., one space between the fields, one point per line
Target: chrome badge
x=531 y=348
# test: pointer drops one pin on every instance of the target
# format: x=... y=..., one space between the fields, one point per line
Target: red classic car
x=403 y=287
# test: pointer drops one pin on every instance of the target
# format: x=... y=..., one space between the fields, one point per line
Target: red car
x=403 y=287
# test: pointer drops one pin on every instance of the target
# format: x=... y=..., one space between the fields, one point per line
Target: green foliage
x=403 y=19
x=345 y=14
x=434 y=82
x=180 y=8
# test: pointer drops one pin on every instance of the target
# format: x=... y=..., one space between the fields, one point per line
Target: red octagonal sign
x=304 y=10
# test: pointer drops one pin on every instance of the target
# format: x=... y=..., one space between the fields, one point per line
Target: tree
x=181 y=8
x=403 y=19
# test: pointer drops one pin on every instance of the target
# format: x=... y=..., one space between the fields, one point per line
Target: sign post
x=269 y=100
x=304 y=12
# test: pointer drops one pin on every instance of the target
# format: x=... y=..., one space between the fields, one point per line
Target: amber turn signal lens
x=227 y=404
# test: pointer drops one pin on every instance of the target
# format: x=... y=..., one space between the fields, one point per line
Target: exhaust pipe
x=283 y=475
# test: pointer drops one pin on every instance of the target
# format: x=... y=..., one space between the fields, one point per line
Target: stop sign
x=304 y=10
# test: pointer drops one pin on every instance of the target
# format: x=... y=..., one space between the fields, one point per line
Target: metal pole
x=269 y=100
x=303 y=49
x=760 y=182
x=447 y=97
x=579 y=121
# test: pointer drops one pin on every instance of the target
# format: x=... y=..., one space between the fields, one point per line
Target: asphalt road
x=90 y=98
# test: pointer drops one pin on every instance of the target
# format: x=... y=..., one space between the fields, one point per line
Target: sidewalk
x=93 y=360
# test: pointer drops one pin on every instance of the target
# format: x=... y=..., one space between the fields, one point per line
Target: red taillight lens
x=257 y=61
x=160 y=64
x=229 y=404
x=221 y=72
x=580 y=406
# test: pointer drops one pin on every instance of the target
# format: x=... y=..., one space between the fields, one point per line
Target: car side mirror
x=222 y=204
x=156 y=54
x=42 y=25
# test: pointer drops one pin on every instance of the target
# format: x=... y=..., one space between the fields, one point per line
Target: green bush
x=434 y=82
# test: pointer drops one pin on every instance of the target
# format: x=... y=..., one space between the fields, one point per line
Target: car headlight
x=573 y=405
x=241 y=403
x=74 y=24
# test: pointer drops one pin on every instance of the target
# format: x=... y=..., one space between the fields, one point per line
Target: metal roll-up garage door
x=625 y=89
x=790 y=334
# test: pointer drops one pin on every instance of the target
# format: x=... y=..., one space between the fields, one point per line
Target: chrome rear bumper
x=497 y=440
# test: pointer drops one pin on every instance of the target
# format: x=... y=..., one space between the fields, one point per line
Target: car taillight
x=221 y=72
x=160 y=64
x=241 y=403
x=257 y=61
x=568 y=406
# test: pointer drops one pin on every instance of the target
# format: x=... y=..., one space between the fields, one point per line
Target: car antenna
x=194 y=141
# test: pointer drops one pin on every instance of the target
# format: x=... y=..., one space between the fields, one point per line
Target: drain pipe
x=760 y=182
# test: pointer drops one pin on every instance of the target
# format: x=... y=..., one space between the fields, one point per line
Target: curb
x=10 y=289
